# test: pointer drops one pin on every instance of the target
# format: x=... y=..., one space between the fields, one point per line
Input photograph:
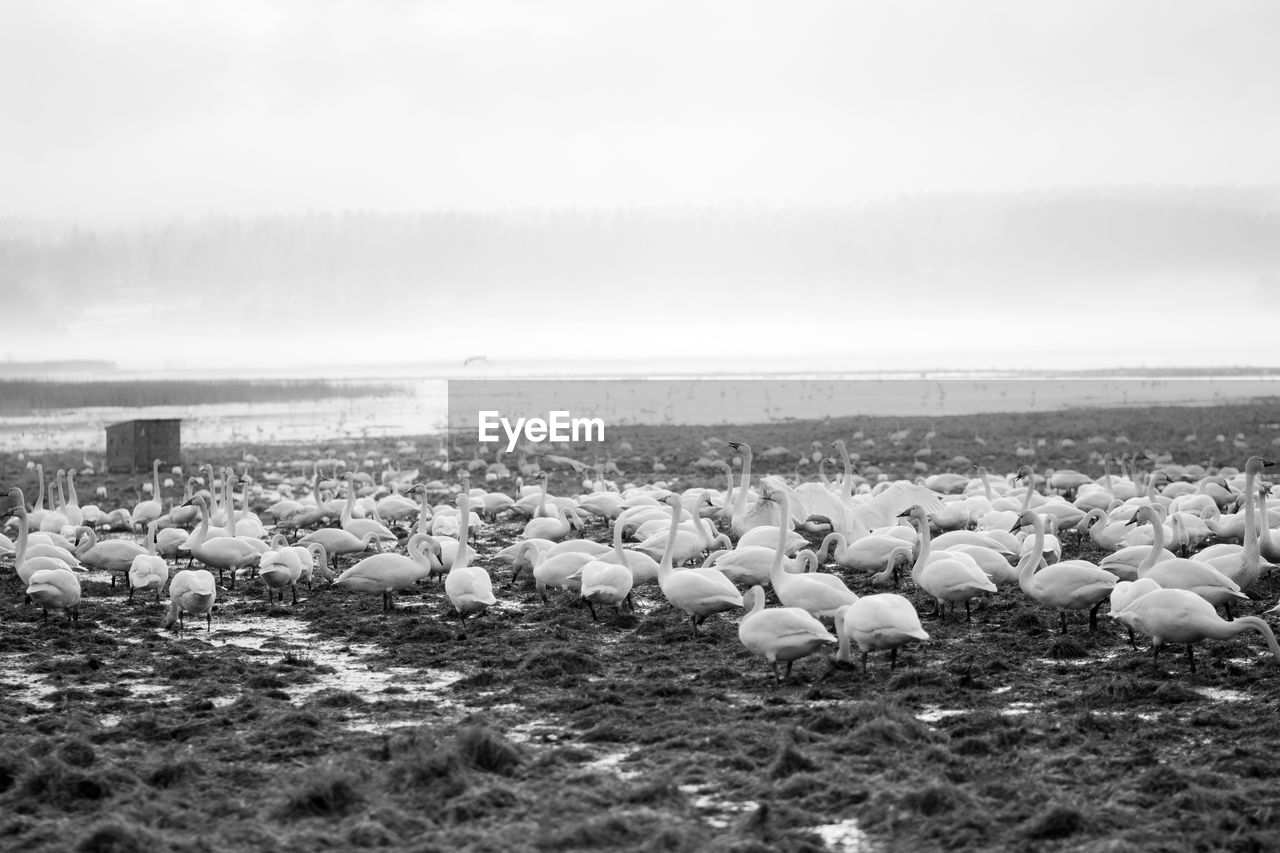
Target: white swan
x=821 y=598
x=1069 y=585
x=468 y=588
x=605 y=584
x=1181 y=573
x=56 y=589
x=947 y=580
x=1125 y=593
x=780 y=633
x=696 y=592
x=148 y=571
x=191 y=591
x=1181 y=616
x=145 y=512
x=876 y=623
x=1245 y=567
x=387 y=574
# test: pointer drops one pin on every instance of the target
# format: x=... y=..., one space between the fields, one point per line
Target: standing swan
x=468 y=588
x=878 y=622
x=780 y=633
x=191 y=591
x=947 y=580
x=1070 y=585
x=387 y=574
x=56 y=589
x=697 y=592
x=1179 y=616
x=148 y=571
x=819 y=597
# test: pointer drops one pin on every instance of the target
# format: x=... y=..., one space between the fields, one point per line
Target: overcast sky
x=149 y=108
x=136 y=112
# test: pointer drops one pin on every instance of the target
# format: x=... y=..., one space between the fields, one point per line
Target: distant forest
x=330 y=262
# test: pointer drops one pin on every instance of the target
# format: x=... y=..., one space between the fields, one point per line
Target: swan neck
x=1157 y=545
x=1027 y=565
x=926 y=546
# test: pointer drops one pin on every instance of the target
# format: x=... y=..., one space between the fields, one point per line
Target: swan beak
x=1266 y=463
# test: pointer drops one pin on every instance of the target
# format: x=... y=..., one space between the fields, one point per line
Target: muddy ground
x=328 y=725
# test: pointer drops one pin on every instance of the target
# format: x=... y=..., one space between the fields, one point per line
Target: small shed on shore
x=131 y=445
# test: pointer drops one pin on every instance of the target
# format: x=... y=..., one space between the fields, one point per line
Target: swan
x=1125 y=593
x=766 y=534
x=281 y=567
x=387 y=574
x=108 y=555
x=1181 y=616
x=144 y=512
x=696 y=592
x=55 y=519
x=337 y=541
x=1108 y=534
x=559 y=571
x=1181 y=573
x=994 y=564
x=1270 y=551
x=644 y=569
x=948 y=580
x=877 y=622
x=26 y=567
x=1069 y=585
x=148 y=571
x=562 y=522
x=818 y=597
x=780 y=633
x=866 y=554
x=191 y=591
x=71 y=508
x=468 y=588
x=691 y=539
x=37 y=543
x=1124 y=563
x=605 y=583
x=360 y=526
x=56 y=589
x=224 y=553
x=749 y=566
x=1246 y=567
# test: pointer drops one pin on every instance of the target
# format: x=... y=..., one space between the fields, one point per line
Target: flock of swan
x=957 y=536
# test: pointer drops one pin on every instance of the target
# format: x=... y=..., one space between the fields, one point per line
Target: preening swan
x=191 y=591
x=878 y=622
x=780 y=633
x=148 y=571
x=56 y=589
x=1180 y=616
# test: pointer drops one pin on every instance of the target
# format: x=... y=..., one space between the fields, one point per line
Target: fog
x=285 y=184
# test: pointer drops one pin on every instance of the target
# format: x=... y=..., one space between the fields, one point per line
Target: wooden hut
x=131 y=445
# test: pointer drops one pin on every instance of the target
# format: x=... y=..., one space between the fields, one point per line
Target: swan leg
x=1230 y=617
x=788 y=675
x=1062 y=615
x=130 y=592
x=693 y=620
x=294 y=587
x=630 y=604
x=1155 y=657
x=592 y=608
x=1191 y=656
x=776 y=677
x=1093 y=615
x=1132 y=641
x=45 y=617
x=208 y=621
x=893 y=658
x=864 y=663
x=968 y=617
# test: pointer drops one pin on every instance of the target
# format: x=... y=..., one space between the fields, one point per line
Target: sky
x=137 y=112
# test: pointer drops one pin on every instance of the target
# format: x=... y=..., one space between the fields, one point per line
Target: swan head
x=915 y=513
x=1256 y=463
x=1026 y=518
